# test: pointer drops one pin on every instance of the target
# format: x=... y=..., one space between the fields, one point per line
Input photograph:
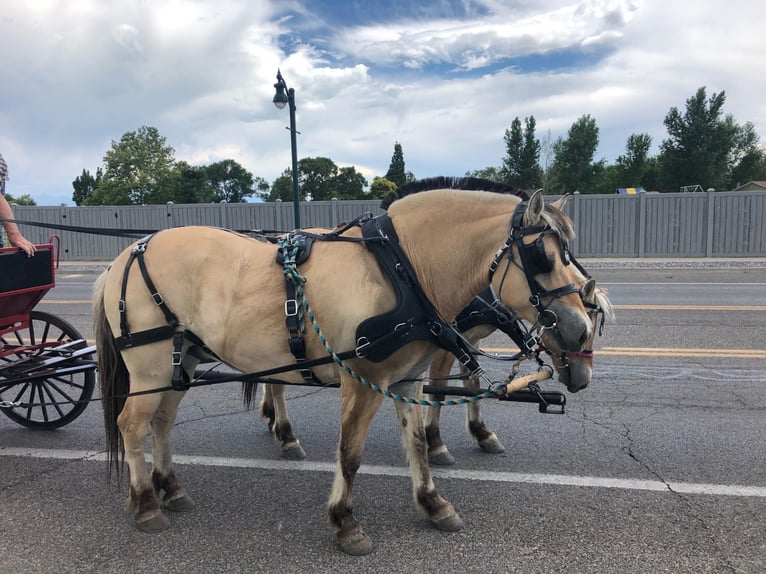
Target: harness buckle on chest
x=291 y=308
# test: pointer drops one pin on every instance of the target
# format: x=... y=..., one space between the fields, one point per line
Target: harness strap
x=384 y=243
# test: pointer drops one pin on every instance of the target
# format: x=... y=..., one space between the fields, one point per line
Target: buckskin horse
x=383 y=292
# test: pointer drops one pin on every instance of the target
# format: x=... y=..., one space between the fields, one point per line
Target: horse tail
x=113 y=377
x=248 y=393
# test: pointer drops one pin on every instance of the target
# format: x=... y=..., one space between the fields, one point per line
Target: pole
x=294 y=149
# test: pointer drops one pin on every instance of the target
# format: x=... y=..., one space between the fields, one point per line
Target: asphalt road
x=657 y=467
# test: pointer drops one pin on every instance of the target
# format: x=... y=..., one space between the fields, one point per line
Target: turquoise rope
x=292 y=274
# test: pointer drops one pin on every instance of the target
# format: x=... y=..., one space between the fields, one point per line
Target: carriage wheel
x=63 y=390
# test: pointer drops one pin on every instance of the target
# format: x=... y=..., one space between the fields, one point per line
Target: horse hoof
x=294 y=452
x=441 y=458
x=157 y=522
x=449 y=523
x=492 y=446
x=355 y=544
x=179 y=503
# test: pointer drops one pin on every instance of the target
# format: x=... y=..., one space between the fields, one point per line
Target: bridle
x=534 y=261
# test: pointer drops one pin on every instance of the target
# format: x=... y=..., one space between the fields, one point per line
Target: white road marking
x=457 y=474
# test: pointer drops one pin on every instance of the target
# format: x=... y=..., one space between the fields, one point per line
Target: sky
x=444 y=78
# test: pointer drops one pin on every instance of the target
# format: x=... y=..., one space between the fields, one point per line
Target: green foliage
x=349 y=184
x=380 y=188
x=521 y=165
x=573 y=167
x=319 y=179
x=84 y=186
x=230 y=182
x=396 y=171
x=23 y=199
x=491 y=173
x=138 y=170
x=634 y=164
x=699 y=144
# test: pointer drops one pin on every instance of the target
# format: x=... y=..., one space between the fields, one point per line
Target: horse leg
x=133 y=423
x=274 y=408
x=174 y=496
x=477 y=428
x=437 y=451
x=440 y=512
x=358 y=407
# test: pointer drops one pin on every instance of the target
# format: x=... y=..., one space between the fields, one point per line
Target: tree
x=634 y=164
x=573 y=167
x=748 y=158
x=316 y=176
x=190 y=184
x=396 y=172
x=349 y=184
x=491 y=173
x=23 y=199
x=85 y=185
x=137 y=170
x=380 y=188
x=521 y=165
x=699 y=145
x=229 y=181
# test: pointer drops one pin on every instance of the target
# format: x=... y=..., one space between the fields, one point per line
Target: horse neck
x=451 y=242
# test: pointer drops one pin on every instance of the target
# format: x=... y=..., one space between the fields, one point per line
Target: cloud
x=444 y=78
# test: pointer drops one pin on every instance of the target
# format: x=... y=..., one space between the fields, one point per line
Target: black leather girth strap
x=127 y=339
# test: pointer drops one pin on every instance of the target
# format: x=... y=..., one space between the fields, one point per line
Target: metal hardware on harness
x=291 y=308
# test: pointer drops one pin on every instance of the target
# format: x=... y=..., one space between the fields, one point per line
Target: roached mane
x=554 y=217
x=443 y=182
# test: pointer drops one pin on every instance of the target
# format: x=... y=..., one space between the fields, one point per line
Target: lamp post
x=282 y=97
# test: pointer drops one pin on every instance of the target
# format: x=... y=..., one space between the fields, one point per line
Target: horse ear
x=561 y=202
x=535 y=209
x=589 y=290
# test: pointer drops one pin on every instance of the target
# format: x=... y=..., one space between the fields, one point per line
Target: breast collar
x=414 y=317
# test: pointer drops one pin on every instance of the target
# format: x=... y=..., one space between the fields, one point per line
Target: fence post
x=334 y=212
x=641 y=225
x=710 y=227
x=278 y=215
x=224 y=222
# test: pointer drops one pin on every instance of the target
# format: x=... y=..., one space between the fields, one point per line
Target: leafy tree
x=573 y=167
x=282 y=188
x=137 y=170
x=634 y=164
x=84 y=185
x=700 y=143
x=23 y=199
x=748 y=158
x=491 y=173
x=190 y=184
x=349 y=184
x=380 y=188
x=316 y=176
x=521 y=165
x=230 y=181
x=396 y=172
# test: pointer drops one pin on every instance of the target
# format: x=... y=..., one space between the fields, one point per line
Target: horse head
x=575 y=369
x=533 y=274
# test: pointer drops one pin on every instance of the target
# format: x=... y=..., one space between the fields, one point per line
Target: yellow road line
x=663 y=352
x=694 y=307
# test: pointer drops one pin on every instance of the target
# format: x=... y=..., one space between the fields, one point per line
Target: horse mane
x=444 y=182
x=556 y=219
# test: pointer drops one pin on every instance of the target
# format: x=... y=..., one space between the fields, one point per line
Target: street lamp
x=282 y=97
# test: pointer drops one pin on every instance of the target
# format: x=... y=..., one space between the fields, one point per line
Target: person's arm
x=14 y=235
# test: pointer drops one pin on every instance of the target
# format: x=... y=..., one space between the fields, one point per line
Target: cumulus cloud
x=445 y=79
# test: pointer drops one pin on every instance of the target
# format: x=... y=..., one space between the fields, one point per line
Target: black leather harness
x=413 y=317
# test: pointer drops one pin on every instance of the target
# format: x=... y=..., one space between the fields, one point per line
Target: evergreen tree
x=396 y=172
